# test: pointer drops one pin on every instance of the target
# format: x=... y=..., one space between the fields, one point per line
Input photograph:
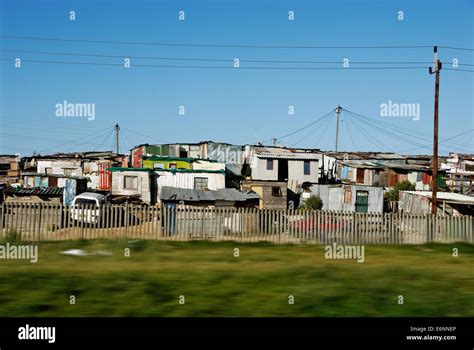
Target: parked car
x=86 y=207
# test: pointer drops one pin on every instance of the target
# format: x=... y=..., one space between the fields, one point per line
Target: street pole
x=434 y=179
x=117 y=129
x=338 y=110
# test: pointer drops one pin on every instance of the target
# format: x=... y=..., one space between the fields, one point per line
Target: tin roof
x=284 y=153
x=289 y=156
x=55 y=175
x=33 y=191
x=223 y=194
x=445 y=196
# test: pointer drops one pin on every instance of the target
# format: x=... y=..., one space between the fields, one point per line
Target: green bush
x=313 y=203
x=393 y=193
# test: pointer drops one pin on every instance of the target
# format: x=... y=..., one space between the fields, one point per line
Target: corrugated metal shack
x=33 y=195
x=452 y=204
x=134 y=182
x=224 y=197
x=353 y=198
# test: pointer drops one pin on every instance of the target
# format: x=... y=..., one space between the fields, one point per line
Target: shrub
x=313 y=203
x=393 y=193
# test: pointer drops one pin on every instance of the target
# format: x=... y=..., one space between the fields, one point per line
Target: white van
x=82 y=207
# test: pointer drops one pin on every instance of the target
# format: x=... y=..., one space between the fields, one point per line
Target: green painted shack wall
x=154 y=150
x=147 y=163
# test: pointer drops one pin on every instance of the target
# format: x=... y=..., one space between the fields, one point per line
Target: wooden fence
x=40 y=221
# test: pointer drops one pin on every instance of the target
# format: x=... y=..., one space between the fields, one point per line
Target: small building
x=134 y=182
x=72 y=185
x=191 y=179
x=224 y=197
x=386 y=174
x=283 y=164
x=451 y=204
x=360 y=173
x=459 y=173
x=33 y=194
x=165 y=163
x=169 y=163
x=141 y=152
x=9 y=169
x=331 y=169
x=352 y=198
x=92 y=165
x=273 y=194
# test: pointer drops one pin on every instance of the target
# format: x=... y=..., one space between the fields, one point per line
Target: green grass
x=258 y=283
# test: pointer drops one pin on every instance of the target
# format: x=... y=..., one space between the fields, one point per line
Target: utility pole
x=117 y=129
x=434 y=179
x=338 y=110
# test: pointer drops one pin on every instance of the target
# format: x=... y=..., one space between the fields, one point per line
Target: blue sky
x=231 y=105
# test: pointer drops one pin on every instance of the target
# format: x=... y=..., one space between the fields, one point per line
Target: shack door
x=362 y=201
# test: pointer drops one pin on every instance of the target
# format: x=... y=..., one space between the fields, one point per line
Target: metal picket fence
x=45 y=221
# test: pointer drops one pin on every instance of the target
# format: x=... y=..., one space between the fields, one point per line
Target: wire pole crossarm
x=434 y=180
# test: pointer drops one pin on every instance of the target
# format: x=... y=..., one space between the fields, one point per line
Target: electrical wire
x=16 y=37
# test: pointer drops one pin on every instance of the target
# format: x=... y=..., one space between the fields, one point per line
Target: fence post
x=126 y=220
x=2 y=222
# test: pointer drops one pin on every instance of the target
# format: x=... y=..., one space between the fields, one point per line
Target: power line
x=312 y=130
x=348 y=130
x=441 y=141
x=118 y=56
x=304 y=127
x=105 y=140
x=456 y=48
x=62 y=53
x=373 y=140
x=82 y=138
x=147 y=136
x=374 y=125
x=215 y=45
x=26 y=137
x=96 y=138
x=398 y=129
x=213 y=67
x=459 y=70
x=323 y=133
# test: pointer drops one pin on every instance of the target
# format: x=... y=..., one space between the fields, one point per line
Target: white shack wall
x=143 y=182
x=333 y=197
x=207 y=165
x=296 y=171
x=58 y=166
x=259 y=169
x=186 y=180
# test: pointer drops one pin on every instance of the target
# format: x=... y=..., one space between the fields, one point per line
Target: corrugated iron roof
x=445 y=196
x=363 y=165
x=289 y=156
x=224 y=194
x=55 y=175
x=36 y=191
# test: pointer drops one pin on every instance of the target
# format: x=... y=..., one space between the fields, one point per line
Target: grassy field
x=258 y=283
